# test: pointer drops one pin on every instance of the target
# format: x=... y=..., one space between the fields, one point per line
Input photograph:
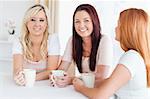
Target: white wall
x=65 y=14
x=1 y=6
x=105 y=9
x=108 y=11
x=12 y=10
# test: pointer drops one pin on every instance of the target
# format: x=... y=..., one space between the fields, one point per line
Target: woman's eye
x=41 y=20
x=76 y=21
x=86 y=20
x=33 y=20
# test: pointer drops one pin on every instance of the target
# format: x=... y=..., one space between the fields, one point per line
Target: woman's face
x=83 y=24
x=117 y=32
x=37 y=24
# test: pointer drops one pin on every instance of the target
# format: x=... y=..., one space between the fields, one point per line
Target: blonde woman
x=131 y=78
x=37 y=48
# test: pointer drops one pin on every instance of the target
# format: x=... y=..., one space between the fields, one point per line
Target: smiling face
x=83 y=24
x=37 y=24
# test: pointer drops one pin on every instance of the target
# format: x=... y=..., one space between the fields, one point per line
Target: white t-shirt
x=53 y=49
x=136 y=88
x=104 y=54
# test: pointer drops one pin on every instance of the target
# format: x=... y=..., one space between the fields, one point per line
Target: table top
x=41 y=90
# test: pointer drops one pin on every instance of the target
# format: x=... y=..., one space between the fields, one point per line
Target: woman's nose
x=37 y=23
x=82 y=24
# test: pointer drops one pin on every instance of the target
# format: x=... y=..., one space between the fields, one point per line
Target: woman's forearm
x=98 y=82
x=43 y=75
x=89 y=92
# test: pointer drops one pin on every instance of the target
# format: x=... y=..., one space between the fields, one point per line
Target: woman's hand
x=19 y=78
x=52 y=80
x=63 y=81
x=77 y=83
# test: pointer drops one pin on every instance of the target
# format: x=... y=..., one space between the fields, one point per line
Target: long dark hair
x=77 y=48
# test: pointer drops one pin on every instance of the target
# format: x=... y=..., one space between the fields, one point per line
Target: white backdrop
x=108 y=11
x=13 y=10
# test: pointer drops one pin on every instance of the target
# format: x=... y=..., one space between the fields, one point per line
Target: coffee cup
x=54 y=74
x=57 y=72
x=88 y=79
x=30 y=76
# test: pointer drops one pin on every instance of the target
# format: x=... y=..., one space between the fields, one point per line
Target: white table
x=41 y=90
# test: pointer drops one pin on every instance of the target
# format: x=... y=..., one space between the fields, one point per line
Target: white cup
x=57 y=72
x=30 y=76
x=88 y=79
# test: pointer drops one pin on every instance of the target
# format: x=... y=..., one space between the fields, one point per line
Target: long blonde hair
x=25 y=41
x=135 y=34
